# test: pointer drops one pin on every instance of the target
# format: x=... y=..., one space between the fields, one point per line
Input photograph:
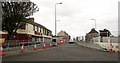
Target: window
x=34 y=27
x=23 y=27
x=48 y=33
x=44 y=31
x=37 y=28
x=40 y=29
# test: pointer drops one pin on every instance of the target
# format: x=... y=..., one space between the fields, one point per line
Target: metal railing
x=14 y=45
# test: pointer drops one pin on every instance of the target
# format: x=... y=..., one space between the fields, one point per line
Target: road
x=66 y=52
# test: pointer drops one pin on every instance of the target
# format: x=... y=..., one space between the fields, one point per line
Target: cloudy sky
x=75 y=15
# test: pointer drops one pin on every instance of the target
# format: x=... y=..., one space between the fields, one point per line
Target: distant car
x=71 y=41
x=54 y=40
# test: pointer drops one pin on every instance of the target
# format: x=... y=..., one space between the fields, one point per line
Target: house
x=64 y=35
x=104 y=33
x=31 y=32
x=92 y=34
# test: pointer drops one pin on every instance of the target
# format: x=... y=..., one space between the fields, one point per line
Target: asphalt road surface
x=66 y=52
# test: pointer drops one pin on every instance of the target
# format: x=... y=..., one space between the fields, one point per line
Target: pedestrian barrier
x=22 y=50
x=22 y=47
x=110 y=48
x=116 y=49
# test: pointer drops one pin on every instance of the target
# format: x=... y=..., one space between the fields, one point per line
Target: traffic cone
x=61 y=41
x=35 y=47
x=50 y=44
x=110 y=48
x=56 y=44
x=1 y=51
x=44 y=45
x=22 y=50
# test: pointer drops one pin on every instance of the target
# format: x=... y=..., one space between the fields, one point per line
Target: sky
x=74 y=16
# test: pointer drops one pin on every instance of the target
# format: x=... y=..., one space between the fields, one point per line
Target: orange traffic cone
x=44 y=45
x=50 y=44
x=55 y=43
x=35 y=47
x=22 y=50
x=59 y=42
x=1 y=51
x=110 y=48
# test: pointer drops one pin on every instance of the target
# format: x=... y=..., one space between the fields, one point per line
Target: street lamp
x=95 y=22
x=55 y=16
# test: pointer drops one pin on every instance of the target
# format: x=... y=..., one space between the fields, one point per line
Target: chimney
x=32 y=19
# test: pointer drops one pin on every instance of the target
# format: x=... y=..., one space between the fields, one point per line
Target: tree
x=15 y=15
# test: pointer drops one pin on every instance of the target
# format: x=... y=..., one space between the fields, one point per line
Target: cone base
x=44 y=47
x=50 y=46
x=22 y=50
x=35 y=48
x=110 y=50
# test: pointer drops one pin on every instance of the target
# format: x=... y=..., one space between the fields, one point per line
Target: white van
x=71 y=41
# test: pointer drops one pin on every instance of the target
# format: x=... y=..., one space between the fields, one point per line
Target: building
x=80 y=38
x=92 y=34
x=64 y=35
x=104 y=33
x=31 y=32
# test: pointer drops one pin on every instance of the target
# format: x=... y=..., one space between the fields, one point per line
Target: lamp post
x=55 y=17
x=95 y=22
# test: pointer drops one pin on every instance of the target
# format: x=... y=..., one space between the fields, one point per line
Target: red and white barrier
x=110 y=50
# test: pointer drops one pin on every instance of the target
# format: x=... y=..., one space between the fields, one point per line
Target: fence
x=15 y=45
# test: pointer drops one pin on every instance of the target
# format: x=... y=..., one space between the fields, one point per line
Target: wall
x=107 y=41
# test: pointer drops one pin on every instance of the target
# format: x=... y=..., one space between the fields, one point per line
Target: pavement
x=91 y=45
x=65 y=52
x=26 y=51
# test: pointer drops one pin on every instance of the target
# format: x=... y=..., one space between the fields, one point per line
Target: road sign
x=2 y=40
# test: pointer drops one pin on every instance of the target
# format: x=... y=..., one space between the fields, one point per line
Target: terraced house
x=31 y=32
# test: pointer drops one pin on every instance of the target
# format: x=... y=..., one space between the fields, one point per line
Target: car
x=71 y=41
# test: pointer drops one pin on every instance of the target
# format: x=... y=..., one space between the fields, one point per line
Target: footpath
x=91 y=45
x=26 y=51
